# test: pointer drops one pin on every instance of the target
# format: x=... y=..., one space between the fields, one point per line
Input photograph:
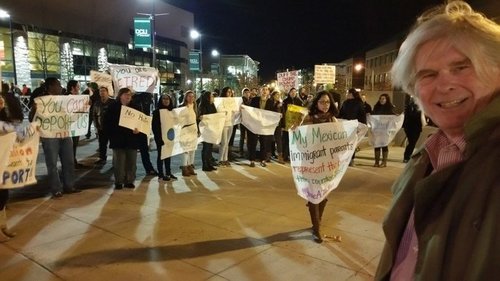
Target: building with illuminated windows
x=68 y=39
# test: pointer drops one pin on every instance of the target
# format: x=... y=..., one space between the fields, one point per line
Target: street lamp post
x=5 y=14
x=217 y=55
x=194 y=34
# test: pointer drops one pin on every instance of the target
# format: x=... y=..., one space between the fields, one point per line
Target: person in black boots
x=206 y=107
x=322 y=110
x=384 y=106
x=164 y=102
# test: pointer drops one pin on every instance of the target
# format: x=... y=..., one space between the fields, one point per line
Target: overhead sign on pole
x=194 y=61
x=142 y=32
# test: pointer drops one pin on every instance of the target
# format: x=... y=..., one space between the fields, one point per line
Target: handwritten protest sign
x=324 y=74
x=62 y=116
x=320 y=155
x=288 y=80
x=7 y=142
x=102 y=80
x=231 y=106
x=134 y=119
x=138 y=78
x=179 y=133
x=21 y=168
x=259 y=121
x=383 y=128
x=211 y=126
x=294 y=115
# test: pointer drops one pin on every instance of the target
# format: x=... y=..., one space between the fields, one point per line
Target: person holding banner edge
x=188 y=157
x=206 y=107
x=164 y=102
x=443 y=221
x=322 y=110
x=383 y=106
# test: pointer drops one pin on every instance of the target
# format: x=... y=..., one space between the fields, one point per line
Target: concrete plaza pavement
x=237 y=223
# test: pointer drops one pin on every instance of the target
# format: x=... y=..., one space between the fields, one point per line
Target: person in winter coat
x=207 y=107
x=165 y=101
x=383 y=106
x=293 y=99
x=353 y=109
x=123 y=141
x=443 y=222
x=412 y=126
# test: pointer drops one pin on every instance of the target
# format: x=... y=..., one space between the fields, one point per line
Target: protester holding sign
x=189 y=114
x=123 y=141
x=207 y=107
x=58 y=144
x=12 y=113
x=226 y=92
x=353 y=109
x=384 y=106
x=98 y=113
x=322 y=110
x=277 y=106
x=165 y=103
x=245 y=97
x=291 y=99
x=73 y=88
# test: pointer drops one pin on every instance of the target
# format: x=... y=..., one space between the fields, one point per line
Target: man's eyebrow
x=460 y=62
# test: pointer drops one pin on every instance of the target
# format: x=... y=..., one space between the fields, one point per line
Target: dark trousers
x=76 y=140
x=146 y=160
x=412 y=136
x=91 y=110
x=231 y=140
x=285 y=140
x=160 y=163
x=103 y=144
x=206 y=154
x=251 y=145
x=243 y=134
x=4 y=196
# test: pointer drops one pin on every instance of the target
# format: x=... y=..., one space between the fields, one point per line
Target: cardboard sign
x=138 y=78
x=134 y=119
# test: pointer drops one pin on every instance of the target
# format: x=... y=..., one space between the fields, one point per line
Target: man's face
x=103 y=92
x=264 y=92
x=448 y=86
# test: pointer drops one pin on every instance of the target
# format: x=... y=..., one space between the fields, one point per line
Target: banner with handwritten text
x=62 y=116
x=21 y=168
x=179 y=134
x=134 y=119
x=259 y=121
x=320 y=155
x=102 y=80
x=288 y=80
x=7 y=141
x=383 y=128
x=138 y=78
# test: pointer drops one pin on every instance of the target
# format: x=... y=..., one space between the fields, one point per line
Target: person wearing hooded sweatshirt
x=206 y=107
x=164 y=102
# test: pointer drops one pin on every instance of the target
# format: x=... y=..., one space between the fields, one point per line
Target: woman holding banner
x=12 y=114
x=164 y=102
x=382 y=107
x=190 y=104
x=322 y=110
x=207 y=107
x=123 y=141
x=226 y=92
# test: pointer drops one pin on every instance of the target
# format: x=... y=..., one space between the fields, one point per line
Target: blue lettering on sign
x=17 y=176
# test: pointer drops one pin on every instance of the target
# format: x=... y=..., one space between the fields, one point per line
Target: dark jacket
x=413 y=117
x=456 y=213
x=383 y=109
x=353 y=109
x=119 y=137
x=99 y=111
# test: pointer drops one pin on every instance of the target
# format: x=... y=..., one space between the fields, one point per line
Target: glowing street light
x=358 y=67
x=215 y=53
x=5 y=15
x=194 y=34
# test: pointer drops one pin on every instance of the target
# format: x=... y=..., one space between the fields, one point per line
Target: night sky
x=295 y=33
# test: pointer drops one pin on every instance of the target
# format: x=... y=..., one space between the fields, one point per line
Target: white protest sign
x=230 y=105
x=7 y=141
x=383 y=128
x=259 y=121
x=62 y=116
x=211 y=126
x=134 y=119
x=324 y=74
x=288 y=80
x=320 y=155
x=21 y=168
x=102 y=80
x=179 y=134
x=138 y=78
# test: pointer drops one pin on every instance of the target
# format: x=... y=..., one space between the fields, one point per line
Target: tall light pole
x=152 y=17
x=216 y=54
x=194 y=34
x=4 y=14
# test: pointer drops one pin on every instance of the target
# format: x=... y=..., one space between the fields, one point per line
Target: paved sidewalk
x=237 y=223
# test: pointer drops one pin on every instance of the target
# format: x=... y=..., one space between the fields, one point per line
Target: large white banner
x=259 y=121
x=383 y=128
x=179 y=134
x=231 y=106
x=134 y=119
x=21 y=168
x=7 y=141
x=211 y=126
x=320 y=155
x=102 y=80
x=288 y=80
x=138 y=78
x=62 y=116
x=324 y=74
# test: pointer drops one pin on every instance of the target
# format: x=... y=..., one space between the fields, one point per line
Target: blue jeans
x=62 y=147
